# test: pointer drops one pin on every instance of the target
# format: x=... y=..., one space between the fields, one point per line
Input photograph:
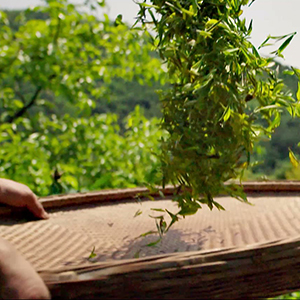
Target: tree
x=224 y=96
x=69 y=57
x=69 y=53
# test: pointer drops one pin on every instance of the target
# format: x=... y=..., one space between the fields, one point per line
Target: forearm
x=18 y=279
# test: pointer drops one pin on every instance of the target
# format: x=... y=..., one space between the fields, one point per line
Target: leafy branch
x=214 y=72
x=23 y=110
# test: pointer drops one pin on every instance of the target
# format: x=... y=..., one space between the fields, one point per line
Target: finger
x=37 y=209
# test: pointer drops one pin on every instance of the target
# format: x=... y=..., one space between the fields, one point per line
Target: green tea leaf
x=148 y=233
x=158 y=209
x=138 y=212
x=93 y=253
x=211 y=23
x=285 y=44
x=298 y=92
x=293 y=159
x=227 y=114
x=153 y=243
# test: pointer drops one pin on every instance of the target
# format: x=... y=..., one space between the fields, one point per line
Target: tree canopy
x=55 y=64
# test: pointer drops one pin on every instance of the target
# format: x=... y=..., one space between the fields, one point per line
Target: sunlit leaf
x=93 y=253
x=138 y=212
x=154 y=243
x=158 y=209
x=293 y=159
x=298 y=92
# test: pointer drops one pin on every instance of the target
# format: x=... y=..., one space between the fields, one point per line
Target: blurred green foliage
x=57 y=67
x=87 y=153
x=272 y=154
x=295 y=295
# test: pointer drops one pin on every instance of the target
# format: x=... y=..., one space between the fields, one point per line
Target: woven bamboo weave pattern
x=68 y=237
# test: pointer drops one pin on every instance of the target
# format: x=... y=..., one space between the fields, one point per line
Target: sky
x=270 y=17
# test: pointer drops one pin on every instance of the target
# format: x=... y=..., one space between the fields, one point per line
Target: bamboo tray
x=248 y=251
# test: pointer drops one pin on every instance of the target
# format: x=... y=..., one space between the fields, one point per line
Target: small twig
x=22 y=111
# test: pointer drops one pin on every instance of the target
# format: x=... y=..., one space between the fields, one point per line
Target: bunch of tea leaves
x=223 y=96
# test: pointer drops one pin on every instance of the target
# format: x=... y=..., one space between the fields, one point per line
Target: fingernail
x=46 y=216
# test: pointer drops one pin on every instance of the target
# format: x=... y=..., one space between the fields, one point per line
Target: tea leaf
x=138 y=212
x=293 y=159
x=153 y=243
x=158 y=209
x=212 y=123
x=92 y=254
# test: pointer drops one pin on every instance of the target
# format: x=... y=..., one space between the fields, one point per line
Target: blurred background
x=115 y=108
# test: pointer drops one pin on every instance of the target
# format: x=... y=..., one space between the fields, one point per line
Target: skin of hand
x=18 y=279
x=19 y=195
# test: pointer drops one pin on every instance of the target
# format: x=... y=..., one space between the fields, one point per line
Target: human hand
x=19 y=195
x=18 y=279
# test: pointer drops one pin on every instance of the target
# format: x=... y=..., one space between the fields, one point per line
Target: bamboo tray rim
x=273 y=256
x=130 y=194
x=204 y=266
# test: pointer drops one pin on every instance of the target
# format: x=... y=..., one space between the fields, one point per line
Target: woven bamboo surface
x=215 y=253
